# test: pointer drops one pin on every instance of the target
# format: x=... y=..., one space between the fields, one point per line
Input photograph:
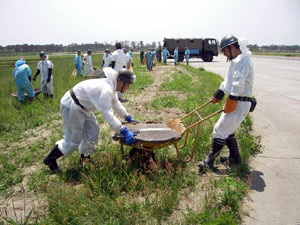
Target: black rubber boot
x=215 y=150
x=50 y=159
x=84 y=158
x=51 y=95
x=234 y=155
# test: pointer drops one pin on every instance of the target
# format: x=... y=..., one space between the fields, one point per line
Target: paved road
x=275 y=192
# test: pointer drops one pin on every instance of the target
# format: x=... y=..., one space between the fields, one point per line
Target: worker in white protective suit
x=106 y=59
x=118 y=61
x=238 y=86
x=45 y=67
x=80 y=125
x=88 y=63
x=129 y=60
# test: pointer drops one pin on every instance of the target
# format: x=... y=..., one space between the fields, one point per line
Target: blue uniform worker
x=22 y=76
x=175 y=56
x=149 y=56
x=187 y=55
x=130 y=53
x=78 y=63
x=165 y=54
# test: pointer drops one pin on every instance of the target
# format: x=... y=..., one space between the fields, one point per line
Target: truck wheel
x=207 y=57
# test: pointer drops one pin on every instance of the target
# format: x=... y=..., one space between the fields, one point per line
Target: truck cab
x=210 y=49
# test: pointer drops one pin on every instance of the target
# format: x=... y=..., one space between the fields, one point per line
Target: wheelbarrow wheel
x=141 y=157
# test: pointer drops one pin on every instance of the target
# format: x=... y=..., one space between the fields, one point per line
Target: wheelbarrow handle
x=200 y=121
x=199 y=107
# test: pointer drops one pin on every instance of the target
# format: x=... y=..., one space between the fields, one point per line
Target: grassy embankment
x=113 y=191
x=277 y=54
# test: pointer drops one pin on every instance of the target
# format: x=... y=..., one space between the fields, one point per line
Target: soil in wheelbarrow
x=155 y=133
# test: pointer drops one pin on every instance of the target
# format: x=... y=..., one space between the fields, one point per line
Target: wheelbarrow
x=97 y=73
x=156 y=135
x=36 y=91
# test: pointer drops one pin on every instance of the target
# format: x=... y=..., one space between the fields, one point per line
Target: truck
x=199 y=48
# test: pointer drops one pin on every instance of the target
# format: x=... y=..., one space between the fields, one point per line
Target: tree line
x=55 y=48
x=134 y=45
x=275 y=48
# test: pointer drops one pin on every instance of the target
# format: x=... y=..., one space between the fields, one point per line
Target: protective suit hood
x=19 y=63
x=243 y=42
x=110 y=75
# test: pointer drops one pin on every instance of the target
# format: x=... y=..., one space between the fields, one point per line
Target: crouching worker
x=22 y=76
x=238 y=86
x=80 y=126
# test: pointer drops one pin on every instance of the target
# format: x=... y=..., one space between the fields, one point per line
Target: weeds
x=113 y=190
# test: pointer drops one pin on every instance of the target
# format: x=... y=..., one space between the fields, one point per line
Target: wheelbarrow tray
x=96 y=74
x=36 y=91
x=151 y=134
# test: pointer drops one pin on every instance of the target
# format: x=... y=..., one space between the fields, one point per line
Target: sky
x=262 y=22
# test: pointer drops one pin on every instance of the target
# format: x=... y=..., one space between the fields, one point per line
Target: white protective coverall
x=120 y=62
x=129 y=60
x=239 y=82
x=120 y=59
x=43 y=66
x=107 y=60
x=80 y=126
x=88 y=64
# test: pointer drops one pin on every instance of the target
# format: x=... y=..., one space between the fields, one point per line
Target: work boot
x=234 y=155
x=84 y=158
x=50 y=159
x=215 y=150
x=123 y=100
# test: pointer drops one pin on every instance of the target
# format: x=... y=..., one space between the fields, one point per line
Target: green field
x=277 y=54
x=114 y=190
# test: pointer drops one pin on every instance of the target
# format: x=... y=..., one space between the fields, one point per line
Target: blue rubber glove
x=129 y=136
x=129 y=119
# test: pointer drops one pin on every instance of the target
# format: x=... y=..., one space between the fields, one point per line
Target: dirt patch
x=192 y=200
x=33 y=135
x=139 y=105
x=19 y=206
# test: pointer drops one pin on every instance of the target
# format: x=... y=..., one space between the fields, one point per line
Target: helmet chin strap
x=230 y=53
x=122 y=87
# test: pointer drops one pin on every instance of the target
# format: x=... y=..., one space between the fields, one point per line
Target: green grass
x=113 y=190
